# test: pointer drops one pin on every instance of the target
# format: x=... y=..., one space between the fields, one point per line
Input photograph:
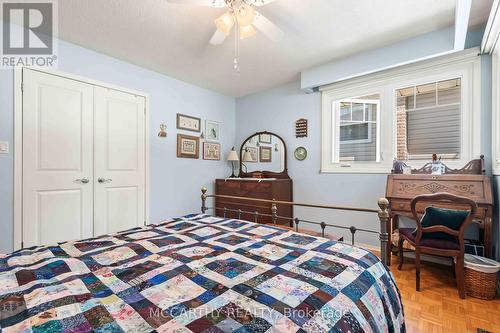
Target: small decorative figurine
x=162 y=133
x=437 y=166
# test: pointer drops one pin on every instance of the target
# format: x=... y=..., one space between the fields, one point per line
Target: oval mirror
x=263 y=155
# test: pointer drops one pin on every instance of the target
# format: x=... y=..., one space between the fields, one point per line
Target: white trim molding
x=462 y=13
x=18 y=141
x=492 y=30
x=465 y=65
x=495 y=111
x=489 y=44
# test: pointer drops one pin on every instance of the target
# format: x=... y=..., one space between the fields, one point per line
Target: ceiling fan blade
x=208 y=3
x=259 y=3
x=218 y=38
x=267 y=27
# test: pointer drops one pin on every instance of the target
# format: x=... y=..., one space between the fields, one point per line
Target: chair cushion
x=450 y=218
x=430 y=242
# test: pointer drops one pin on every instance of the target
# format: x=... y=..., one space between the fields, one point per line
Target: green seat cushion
x=450 y=218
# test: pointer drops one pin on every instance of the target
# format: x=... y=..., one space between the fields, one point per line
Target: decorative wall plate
x=300 y=153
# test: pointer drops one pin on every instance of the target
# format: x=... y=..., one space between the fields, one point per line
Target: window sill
x=355 y=170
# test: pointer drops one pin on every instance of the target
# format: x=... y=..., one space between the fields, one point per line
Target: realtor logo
x=28 y=33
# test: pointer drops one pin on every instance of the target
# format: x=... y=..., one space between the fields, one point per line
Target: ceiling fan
x=243 y=16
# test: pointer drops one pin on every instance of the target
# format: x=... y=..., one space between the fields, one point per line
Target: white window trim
x=490 y=44
x=495 y=110
x=464 y=64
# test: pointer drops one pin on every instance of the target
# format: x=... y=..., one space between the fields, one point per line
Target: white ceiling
x=173 y=39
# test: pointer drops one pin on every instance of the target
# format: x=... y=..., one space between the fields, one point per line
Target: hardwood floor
x=437 y=307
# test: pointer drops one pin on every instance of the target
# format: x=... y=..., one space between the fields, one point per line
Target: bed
x=199 y=273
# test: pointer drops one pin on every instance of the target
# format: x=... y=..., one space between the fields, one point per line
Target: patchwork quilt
x=198 y=274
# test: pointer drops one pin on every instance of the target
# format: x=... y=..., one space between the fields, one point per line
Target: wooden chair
x=446 y=248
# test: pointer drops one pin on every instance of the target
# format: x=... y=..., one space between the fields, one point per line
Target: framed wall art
x=265 y=138
x=188 y=123
x=212 y=130
x=211 y=151
x=253 y=155
x=265 y=154
x=188 y=146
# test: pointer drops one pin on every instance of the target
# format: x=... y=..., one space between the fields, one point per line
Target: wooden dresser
x=266 y=188
x=469 y=182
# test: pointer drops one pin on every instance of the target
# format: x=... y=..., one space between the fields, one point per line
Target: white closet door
x=119 y=160
x=57 y=159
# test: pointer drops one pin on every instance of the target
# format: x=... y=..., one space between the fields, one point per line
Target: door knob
x=103 y=180
x=82 y=180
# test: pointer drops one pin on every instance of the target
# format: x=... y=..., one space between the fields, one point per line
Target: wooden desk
x=401 y=189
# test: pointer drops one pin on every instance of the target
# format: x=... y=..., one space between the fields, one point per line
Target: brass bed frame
x=383 y=216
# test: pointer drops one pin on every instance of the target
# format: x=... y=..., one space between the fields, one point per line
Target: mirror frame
x=264 y=174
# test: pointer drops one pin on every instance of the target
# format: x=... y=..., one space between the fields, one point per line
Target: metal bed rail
x=383 y=216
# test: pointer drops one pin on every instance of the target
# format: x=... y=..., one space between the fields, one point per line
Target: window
x=357 y=128
x=408 y=112
x=428 y=120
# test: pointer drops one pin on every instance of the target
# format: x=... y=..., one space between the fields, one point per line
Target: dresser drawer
x=280 y=189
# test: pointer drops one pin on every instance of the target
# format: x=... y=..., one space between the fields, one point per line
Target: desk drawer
x=400 y=205
x=405 y=206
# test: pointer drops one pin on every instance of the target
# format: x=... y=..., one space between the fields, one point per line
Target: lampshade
x=247 y=31
x=225 y=23
x=246 y=15
x=247 y=157
x=233 y=156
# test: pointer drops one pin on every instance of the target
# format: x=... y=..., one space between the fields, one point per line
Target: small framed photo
x=253 y=153
x=265 y=154
x=253 y=141
x=211 y=151
x=188 y=123
x=212 y=130
x=265 y=138
x=188 y=146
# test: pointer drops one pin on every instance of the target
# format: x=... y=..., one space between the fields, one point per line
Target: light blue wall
x=175 y=182
x=277 y=109
x=407 y=51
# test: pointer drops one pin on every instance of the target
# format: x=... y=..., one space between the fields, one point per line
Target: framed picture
x=211 y=151
x=253 y=141
x=212 y=130
x=188 y=123
x=188 y=146
x=265 y=138
x=254 y=154
x=265 y=154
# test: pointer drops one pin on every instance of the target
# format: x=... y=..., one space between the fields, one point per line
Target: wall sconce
x=162 y=133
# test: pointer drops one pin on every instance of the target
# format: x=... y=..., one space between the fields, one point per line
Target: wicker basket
x=480 y=285
x=480 y=282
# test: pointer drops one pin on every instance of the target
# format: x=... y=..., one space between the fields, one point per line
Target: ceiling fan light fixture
x=225 y=23
x=247 y=31
x=245 y=15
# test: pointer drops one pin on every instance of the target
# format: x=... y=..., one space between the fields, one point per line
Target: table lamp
x=247 y=157
x=232 y=157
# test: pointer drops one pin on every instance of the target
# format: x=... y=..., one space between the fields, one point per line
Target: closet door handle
x=82 y=180
x=102 y=180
